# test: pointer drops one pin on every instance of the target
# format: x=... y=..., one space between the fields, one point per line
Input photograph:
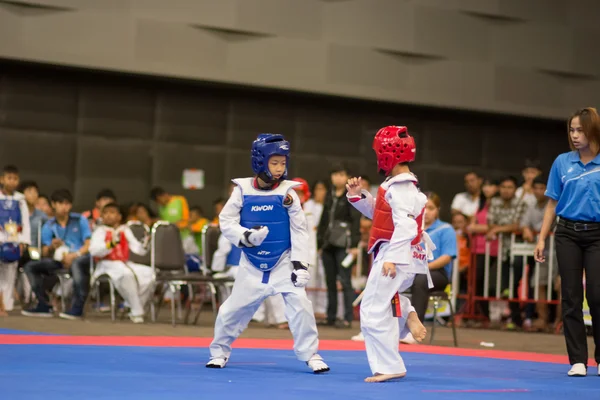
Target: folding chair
x=210 y=240
x=437 y=298
x=167 y=260
x=95 y=285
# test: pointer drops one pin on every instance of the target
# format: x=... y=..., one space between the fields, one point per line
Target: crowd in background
x=486 y=209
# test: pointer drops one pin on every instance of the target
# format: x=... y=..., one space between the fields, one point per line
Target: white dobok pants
x=248 y=294
x=8 y=276
x=133 y=281
x=382 y=331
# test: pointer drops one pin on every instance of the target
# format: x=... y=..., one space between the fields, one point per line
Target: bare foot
x=3 y=313
x=384 y=377
x=416 y=327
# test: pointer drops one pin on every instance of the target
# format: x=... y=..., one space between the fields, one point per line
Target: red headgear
x=304 y=188
x=393 y=145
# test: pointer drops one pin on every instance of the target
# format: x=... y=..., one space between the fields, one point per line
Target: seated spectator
x=173 y=209
x=459 y=223
x=226 y=259
x=468 y=202
x=94 y=216
x=110 y=246
x=145 y=215
x=531 y=225
x=14 y=235
x=197 y=224
x=504 y=217
x=36 y=216
x=443 y=237
x=65 y=241
x=218 y=205
x=43 y=204
x=525 y=192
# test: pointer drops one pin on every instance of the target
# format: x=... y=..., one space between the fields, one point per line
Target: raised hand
x=353 y=186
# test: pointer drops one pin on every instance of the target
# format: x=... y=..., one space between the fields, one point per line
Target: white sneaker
x=578 y=369
x=217 y=362
x=358 y=338
x=137 y=319
x=317 y=364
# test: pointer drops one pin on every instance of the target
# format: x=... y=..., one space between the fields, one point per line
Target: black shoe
x=39 y=311
x=326 y=323
x=343 y=325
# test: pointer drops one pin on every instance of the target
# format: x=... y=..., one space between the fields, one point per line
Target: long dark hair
x=482 y=199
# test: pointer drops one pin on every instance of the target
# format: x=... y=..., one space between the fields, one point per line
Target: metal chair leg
x=435 y=307
x=197 y=316
x=63 y=303
x=213 y=297
x=173 y=311
x=188 y=304
x=113 y=316
x=97 y=290
x=453 y=323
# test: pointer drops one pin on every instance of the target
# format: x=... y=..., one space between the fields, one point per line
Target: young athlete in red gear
x=395 y=240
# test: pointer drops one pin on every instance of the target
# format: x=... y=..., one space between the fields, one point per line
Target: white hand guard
x=300 y=275
x=255 y=236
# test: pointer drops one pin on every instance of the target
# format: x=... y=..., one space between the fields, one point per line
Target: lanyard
x=55 y=230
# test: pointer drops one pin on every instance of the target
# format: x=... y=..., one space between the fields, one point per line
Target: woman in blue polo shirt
x=443 y=236
x=574 y=197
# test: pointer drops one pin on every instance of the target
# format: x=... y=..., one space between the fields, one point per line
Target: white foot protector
x=409 y=339
x=317 y=364
x=217 y=362
x=578 y=369
x=358 y=338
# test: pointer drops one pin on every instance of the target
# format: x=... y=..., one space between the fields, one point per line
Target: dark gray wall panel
x=49 y=159
x=121 y=165
x=117 y=111
x=455 y=144
x=330 y=132
x=39 y=103
x=192 y=118
x=251 y=117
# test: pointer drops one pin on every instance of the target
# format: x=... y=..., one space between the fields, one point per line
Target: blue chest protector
x=10 y=211
x=233 y=258
x=266 y=208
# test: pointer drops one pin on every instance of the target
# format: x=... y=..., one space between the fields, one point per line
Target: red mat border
x=273 y=344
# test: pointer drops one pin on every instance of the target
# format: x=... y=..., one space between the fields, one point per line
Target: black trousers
x=332 y=261
x=420 y=292
x=577 y=251
x=515 y=307
x=484 y=306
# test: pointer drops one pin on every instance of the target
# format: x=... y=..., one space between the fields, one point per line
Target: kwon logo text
x=261 y=208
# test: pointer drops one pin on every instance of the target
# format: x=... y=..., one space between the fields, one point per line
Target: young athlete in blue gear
x=264 y=218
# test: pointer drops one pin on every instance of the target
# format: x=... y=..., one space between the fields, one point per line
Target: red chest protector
x=383 y=223
x=121 y=251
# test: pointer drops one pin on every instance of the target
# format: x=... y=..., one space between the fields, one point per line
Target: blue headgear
x=265 y=146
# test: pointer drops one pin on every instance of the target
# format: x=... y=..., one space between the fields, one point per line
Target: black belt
x=579 y=226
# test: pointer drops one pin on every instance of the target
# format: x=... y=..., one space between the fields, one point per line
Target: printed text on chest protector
x=261 y=208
